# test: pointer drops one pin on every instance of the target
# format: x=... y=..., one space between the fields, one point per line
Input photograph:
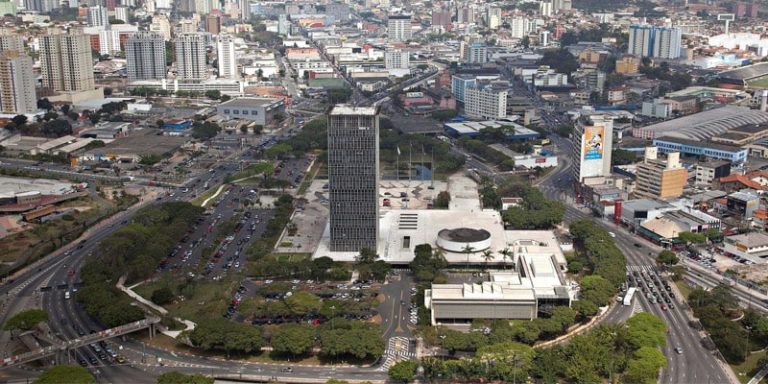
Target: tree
x=525 y=42
x=646 y=330
x=403 y=371
x=444 y=114
x=244 y=129
x=564 y=130
x=213 y=94
x=175 y=377
x=293 y=339
x=19 y=120
x=65 y=374
x=487 y=255
x=644 y=368
x=302 y=303
x=442 y=200
x=26 y=320
x=622 y=157
x=44 y=104
x=585 y=308
x=278 y=150
x=667 y=257
x=597 y=290
x=162 y=296
x=507 y=255
x=427 y=263
x=690 y=237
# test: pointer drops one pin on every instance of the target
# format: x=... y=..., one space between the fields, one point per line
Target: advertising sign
x=594 y=142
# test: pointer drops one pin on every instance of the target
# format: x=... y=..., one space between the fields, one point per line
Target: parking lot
x=189 y=258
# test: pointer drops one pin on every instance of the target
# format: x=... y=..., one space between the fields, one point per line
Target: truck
x=629 y=295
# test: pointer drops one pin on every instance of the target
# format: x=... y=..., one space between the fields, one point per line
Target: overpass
x=61 y=351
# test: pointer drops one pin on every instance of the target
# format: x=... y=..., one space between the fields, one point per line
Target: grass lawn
x=762 y=83
x=204 y=298
x=748 y=368
x=291 y=256
x=199 y=199
x=685 y=290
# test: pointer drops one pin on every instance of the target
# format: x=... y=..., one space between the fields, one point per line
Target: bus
x=629 y=295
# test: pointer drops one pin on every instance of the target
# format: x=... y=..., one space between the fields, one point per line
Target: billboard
x=594 y=142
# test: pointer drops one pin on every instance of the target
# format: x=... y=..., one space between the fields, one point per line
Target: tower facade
x=145 y=56
x=17 y=83
x=66 y=62
x=227 y=59
x=190 y=57
x=353 y=177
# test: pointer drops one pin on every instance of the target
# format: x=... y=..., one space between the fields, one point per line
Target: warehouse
x=261 y=110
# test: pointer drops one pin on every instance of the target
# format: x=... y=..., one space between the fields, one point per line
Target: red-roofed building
x=757 y=180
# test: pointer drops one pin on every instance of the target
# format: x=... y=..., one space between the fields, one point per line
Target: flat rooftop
x=250 y=102
x=12 y=186
x=345 y=109
x=400 y=231
x=141 y=143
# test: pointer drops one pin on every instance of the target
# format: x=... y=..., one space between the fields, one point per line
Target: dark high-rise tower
x=353 y=177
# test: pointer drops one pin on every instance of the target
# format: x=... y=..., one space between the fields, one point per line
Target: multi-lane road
x=695 y=364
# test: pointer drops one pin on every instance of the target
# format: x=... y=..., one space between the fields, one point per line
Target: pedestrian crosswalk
x=642 y=268
x=397 y=350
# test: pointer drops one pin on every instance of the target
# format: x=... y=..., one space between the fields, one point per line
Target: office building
x=476 y=54
x=11 y=42
x=97 y=17
x=544 y=38
x=17 y=83
x=466 y=15
x=227 y=60
x=245 y=9
x=546 y=8
x=441 y=18
x=213 y=24
x=109 y=42
x=485 y=103
x=592 y=146
x=283 y=25
x=628 y=65
x=66 y=62
x=145 y=56
x=161 y=24
x=397 y=59
x=399 y=28
x=519 y=27
x=658 y=178
x=190 y=57
x=459 y=85
x=493 y=17
x=653 y=41
x=353 y=178
x=121 y=13
x=709 y=171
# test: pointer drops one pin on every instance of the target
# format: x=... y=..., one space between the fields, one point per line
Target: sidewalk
x=133 y=295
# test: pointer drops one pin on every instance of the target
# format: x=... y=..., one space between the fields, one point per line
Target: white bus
x=629 y=295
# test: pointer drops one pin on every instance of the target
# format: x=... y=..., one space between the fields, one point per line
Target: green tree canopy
x=26 y=320
x=65 y=374
x=403 y=371
x=646 y=330
x=293 y=339
x=667 y=257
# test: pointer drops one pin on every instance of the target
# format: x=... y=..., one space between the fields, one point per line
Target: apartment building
x=658 y=178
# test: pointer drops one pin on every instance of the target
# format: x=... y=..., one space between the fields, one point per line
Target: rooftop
x=751 y=239
x=746 y=73
x=246 y=102
x=346 y=109
x=696 y=143
x=703 y=125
